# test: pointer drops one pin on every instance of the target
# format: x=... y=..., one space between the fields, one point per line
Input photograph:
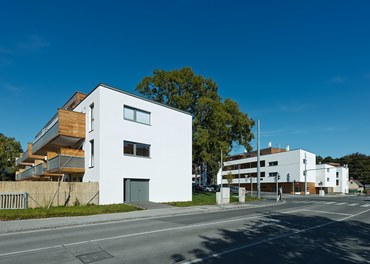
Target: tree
x=9 y=150
x=358 y=164
x=217 y=123
x=229 y=177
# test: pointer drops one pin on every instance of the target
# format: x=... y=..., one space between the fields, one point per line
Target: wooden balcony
x=65 y=129
x=27 y=158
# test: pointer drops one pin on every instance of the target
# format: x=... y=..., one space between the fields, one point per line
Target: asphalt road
x=301 y=230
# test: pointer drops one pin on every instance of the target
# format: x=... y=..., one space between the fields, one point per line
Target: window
x=328 y=179
x=337 y=174
x=273 y=174
x=273 y=163
x=136 y=115
x=91 y=165
x=337 y=182
x=91 y=117
x=136 y=149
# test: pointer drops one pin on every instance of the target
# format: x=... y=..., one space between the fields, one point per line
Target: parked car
x=234 y=189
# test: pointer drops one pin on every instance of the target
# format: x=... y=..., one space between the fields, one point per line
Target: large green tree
x=9 y=150
x=217 y=123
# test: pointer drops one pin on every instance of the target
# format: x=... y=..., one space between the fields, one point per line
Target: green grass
x=207 y=199
x=17 y=214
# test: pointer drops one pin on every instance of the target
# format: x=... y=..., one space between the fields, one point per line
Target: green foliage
x=229 y=177
x=217 y=123
x=358 y=164
x=65 y=211
x=9 y=150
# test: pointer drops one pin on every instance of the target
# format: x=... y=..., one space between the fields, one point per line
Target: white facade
x=334 y=177
x=169 y=135
x=290 y=166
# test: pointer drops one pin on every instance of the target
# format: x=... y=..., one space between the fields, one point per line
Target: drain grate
x=94 y=256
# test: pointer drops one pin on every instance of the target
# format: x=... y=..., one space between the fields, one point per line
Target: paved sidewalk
x=65 y=222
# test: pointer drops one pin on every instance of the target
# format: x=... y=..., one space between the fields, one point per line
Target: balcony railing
x=40 y=169
x=67 y=164
x=28 y=173
x=46 y=137
x=21 y=159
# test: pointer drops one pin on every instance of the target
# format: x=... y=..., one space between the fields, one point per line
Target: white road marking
x=325 y=212
x=138 y=234
x=216 y=255
x=329 y=203
x=352 y=204
x=365 y=205
x=340 y=203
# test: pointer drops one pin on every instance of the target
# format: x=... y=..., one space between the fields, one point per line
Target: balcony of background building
x=27 y=158
x=65 y=129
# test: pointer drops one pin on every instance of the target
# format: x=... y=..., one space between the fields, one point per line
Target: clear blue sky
x=301 y=67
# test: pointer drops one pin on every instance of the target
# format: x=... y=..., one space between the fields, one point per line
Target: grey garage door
x=136 y=190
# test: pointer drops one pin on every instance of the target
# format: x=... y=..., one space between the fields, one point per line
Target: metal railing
x=40 y=169
x=25 y=174
x=46 y=137
x=66 y=161
x=49 y=124
x=21 y=158
x=13 y=200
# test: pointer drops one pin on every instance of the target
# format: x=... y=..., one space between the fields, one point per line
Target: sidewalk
x=66 y=222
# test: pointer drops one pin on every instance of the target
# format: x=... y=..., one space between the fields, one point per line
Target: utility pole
x=239 y=174
x=222 y=165
x=258 y=162
x=251 y=185
x=277 y=186
x=305 y=173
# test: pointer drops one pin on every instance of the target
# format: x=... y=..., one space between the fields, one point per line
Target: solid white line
x=268 y=240
x=132 y=235
x=325 y=212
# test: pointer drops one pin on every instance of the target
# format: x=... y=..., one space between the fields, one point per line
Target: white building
x=137 y=149
x=292 y=168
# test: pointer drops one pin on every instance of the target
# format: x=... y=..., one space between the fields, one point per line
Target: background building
x=292 y=168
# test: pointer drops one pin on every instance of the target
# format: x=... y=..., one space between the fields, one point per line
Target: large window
x=136 y=115
x=136 y=149
x=91 y=154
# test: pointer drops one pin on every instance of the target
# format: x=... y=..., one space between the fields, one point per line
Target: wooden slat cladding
x=72 y=152
x=71 y=124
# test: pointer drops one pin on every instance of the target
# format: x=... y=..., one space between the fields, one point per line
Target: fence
x=13 y=201
x=41 y=194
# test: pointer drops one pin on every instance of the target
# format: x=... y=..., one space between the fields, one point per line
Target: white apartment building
x=291 y=168
x=134 y=147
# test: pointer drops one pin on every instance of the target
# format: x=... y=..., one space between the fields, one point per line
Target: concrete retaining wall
x=40 y=194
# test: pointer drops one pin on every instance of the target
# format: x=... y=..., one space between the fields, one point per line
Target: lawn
x=207 y=199
x=17 y=214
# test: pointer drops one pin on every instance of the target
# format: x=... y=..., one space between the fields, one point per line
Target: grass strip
x=18 y=214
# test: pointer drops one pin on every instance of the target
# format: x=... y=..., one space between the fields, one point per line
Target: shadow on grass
x=285 y=238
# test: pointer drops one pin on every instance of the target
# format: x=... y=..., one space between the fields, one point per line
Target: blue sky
x=301 y=67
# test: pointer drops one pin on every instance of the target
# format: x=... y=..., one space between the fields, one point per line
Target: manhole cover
x=94 y=256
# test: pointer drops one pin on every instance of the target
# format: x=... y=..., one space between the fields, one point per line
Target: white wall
x=91 y=174
x=170 y=137
x=290 y=167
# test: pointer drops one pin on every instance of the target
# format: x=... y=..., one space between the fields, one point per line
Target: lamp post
x=239 y=174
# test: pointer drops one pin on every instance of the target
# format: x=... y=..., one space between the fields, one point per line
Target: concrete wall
x=41 y=193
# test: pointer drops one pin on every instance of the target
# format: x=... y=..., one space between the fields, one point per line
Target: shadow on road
x=280 y=238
